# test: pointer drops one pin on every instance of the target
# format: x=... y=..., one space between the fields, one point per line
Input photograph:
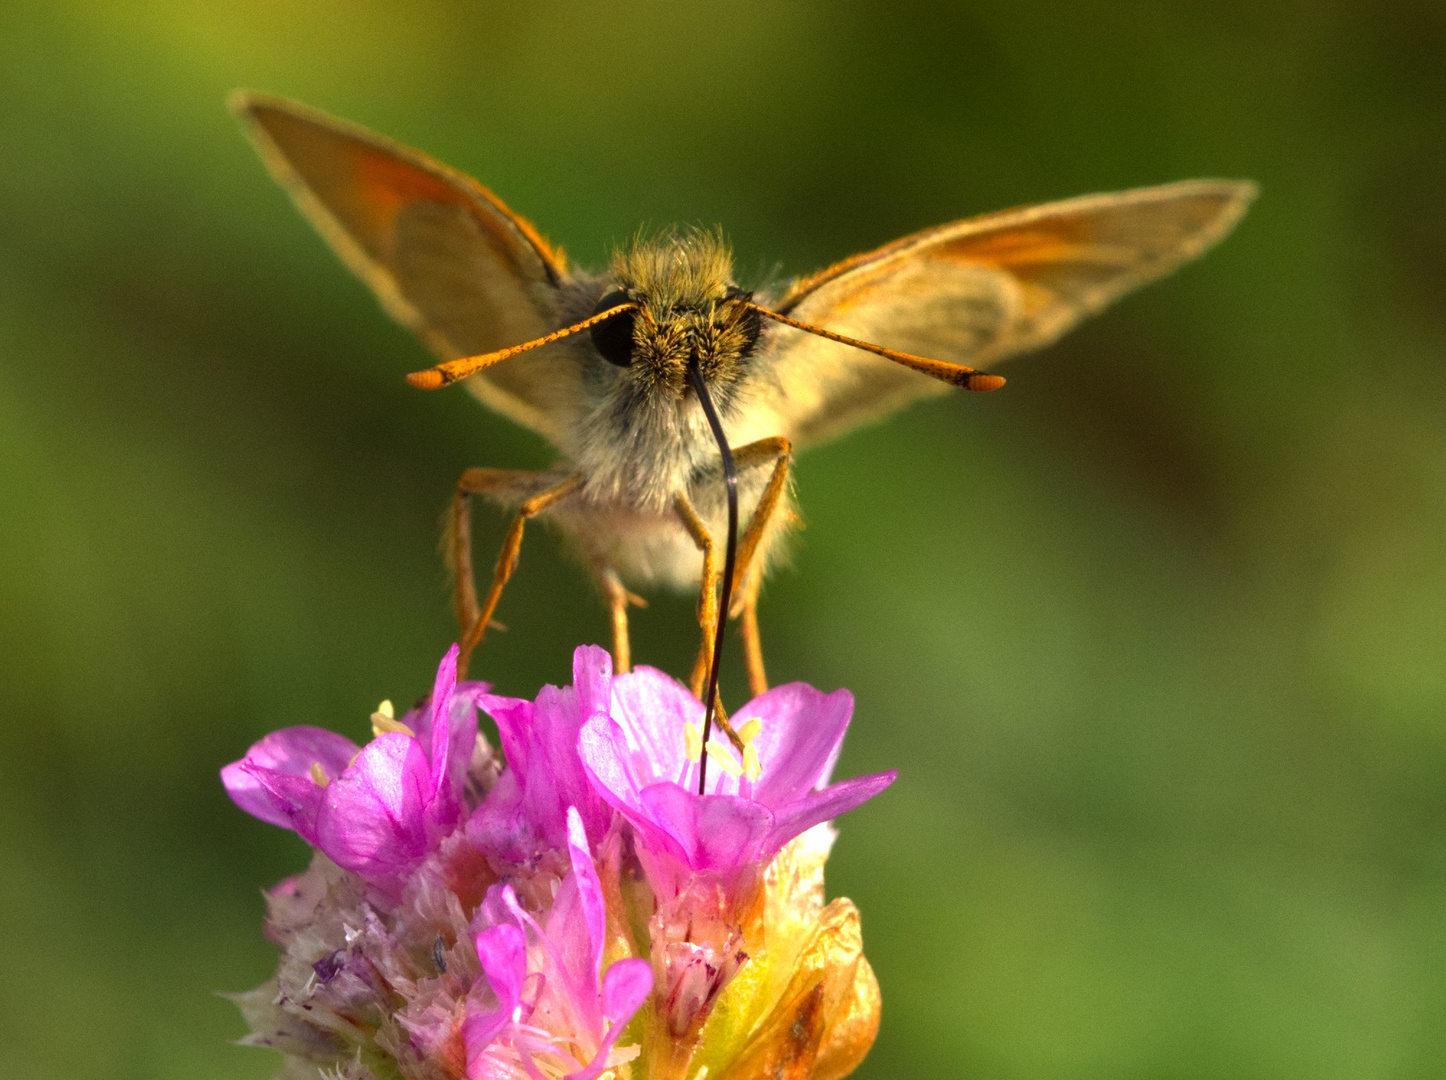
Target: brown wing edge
x=1235 y=198
x=372 y=265
x=249 y=105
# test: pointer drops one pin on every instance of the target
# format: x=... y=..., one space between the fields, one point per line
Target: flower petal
x=502 y=952
x=439 y=712
x=293 y=802
x=540 y=741
x=513 y=717
x=714 y=832
x=463 y=717
x=592 y=675
x=802 y=731
x=825 y=805
x=589 y=892
x=575 y=933
x=251 y=793
x=294 y=749
x=257 y=782
x=625 y=987
x=372 y=820
x=603 y=746
x=446 y=728
x=654 y=710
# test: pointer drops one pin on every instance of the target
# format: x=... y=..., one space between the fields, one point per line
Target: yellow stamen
x=693 y=741
x=749 y=731
x=751 y=766
x=318 y=774
x=719 y=753
x=384 y=721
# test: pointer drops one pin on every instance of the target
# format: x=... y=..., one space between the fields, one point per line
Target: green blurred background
x=1156 y=637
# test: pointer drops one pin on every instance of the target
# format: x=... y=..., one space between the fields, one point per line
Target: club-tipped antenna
x=444 y=374
x=967 y=378
x=730 y=476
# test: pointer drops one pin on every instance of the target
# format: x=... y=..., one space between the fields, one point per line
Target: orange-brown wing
x=977 y=291
x=443 y=254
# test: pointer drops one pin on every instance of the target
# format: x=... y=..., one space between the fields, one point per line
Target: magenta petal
x=294 y=749
x=446 y=727
x=502 y=952
x=457 y=702
x=463 y=740
x=479 y=1031
x=373 y=820
x=576 y=930
x=653 y=709
x=603 y=746
x=527 y=815
x=556 y=779
x=250 y=791
x=296 y=800
x=439 y=711
x=513 y=717
x=714 y=832
x=257 y=782
x=589 y=892
x=592 y=676
x=625 y=987
x=825 y=805
x=802 y=731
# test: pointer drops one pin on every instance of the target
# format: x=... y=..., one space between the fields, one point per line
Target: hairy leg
x=507 y=485
x=618 y=598
x=707 y=589
x=748 y=577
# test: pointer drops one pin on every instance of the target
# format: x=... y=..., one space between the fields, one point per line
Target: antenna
x=434 y=378
x=955 y=374
x=730 y=476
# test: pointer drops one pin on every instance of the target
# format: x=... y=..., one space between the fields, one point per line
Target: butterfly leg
x=506 y=485
x=618 y=598
x=707 y=608
x=707 y=589
x=748 y=577
x=753 y=645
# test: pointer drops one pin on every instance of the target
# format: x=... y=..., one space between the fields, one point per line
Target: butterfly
x=674 y=397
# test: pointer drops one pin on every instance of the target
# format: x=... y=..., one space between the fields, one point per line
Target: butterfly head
x=679 y=306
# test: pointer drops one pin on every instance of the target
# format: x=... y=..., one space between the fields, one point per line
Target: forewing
x=978 y=291
x=443 y=254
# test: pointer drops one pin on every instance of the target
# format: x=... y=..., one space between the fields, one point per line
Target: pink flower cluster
x=576 y=910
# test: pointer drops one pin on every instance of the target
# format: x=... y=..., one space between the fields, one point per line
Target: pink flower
x=459 y=916
x=640 y=762
x=704 y=855
x=526 y=812
x=554 y=1002
x=375 y=810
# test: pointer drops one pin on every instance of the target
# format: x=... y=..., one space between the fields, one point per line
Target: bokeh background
x=1156 y=636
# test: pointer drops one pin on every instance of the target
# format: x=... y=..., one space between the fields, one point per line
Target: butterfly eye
x=613 y=338
x=751 y=322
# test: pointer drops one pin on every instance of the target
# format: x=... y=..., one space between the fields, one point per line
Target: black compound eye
x=752 y=322
x=613 y=338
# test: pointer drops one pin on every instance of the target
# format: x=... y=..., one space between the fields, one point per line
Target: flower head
x=581 y=912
